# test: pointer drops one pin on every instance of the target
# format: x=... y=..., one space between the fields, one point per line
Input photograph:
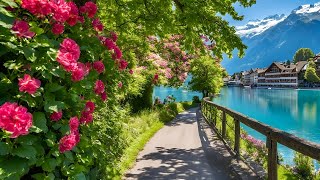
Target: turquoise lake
x=294 y=111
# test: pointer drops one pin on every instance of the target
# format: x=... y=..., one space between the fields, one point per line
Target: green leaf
x=10 y=3
x=49 y=165
x=54 y=106
x=14 y=167
x=53 y=87
x=6 y=21
x=4 y=148
x=35 y=28
x=58 y=72
x=28 y=139
x=69 y=155
x=80 y=176
x=40 y=121
x=29 y=53
x=25 y=151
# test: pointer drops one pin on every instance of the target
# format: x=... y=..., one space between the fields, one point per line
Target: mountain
x=277 y=38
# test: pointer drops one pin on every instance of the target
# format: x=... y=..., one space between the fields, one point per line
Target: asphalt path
x=184 y=149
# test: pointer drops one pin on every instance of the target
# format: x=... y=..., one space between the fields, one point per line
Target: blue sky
x=264 y=8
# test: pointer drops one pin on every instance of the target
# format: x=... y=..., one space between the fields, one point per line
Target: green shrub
x=303 y=166
x=196 y=99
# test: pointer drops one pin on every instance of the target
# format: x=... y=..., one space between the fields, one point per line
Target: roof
x=288 y=68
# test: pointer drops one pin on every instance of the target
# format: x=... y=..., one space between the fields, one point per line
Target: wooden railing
x=273 y=135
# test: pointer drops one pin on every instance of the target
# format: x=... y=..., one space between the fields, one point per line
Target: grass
x=141 y=127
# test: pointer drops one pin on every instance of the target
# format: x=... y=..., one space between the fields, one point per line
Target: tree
x=207 y=75
x=311 y=75
x=303 y=54
x=288 y=62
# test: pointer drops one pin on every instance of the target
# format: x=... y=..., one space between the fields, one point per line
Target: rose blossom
x=98 y=66
x=57 y=28
x=117 y=54
x=56 y=116
x=120 y=84
x=74 y=14
x=78 y=73
x=61 y=10
x=74 y=124
x=114 y=36
x=86 y=117
x=90 y=8
x=15 y=119
x=69 y=45
x=39 y=8
x=104 y=96
x=89 y=107
x=29 y=84
x=99 y=87
x=131 y=71
x=123 y=64
x=21 y=29
x=68 y=54
x=97 y=25
x=68 y=142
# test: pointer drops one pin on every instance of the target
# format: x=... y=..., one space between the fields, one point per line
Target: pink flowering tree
x=58 y=66
x=169 y=62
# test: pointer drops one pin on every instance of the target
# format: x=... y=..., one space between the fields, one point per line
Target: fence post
x=215 y=117
x=237 y=137
x=224 y=123
x=272 y=159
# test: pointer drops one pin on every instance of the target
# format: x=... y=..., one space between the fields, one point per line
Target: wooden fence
x=273 y=135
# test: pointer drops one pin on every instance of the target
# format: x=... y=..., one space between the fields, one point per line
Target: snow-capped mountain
x=256 y=27
x=277 y=38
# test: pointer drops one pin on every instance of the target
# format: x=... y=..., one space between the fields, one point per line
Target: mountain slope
x=278 y=42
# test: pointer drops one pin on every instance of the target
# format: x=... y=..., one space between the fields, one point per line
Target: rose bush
x=58 y=66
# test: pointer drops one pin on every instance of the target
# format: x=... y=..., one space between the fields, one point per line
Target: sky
x=264 y=8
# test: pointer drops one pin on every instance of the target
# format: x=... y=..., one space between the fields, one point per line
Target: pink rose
x=98 y=66
x=86 y=117
x=21 y=29
x=104 y=96
x=39 y=8
x=57 y=28
x=29 y=84
x=90 y=8
x=99 y=87
x=131 y=71
x=97 y=25
x=74 y=124
x=114 y=36
x=120 y=84
x=78 y=73
x=15 y=119
x=117 y=54
x=68 y=142
x=89 y=107
x=61 y=10
x=74 y=14
x=123 y=64
x=56 y=116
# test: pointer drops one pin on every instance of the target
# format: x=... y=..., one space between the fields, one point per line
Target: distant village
x=278 y=74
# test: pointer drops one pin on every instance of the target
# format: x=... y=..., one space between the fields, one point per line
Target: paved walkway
x=185 y=149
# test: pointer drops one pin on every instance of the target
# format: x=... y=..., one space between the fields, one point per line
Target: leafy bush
x=55 y=61
x=303 y=166
x=196 y=99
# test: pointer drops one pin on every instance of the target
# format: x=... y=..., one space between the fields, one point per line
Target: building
x=281 y=75
x=246 y=78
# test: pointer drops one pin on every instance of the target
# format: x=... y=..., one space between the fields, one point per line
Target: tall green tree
x=310 y=74
x=302 y=54
x=207 y=75
x=136 y=19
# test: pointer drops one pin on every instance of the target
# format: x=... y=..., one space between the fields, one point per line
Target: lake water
x=294 y=111
x=181 y=94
